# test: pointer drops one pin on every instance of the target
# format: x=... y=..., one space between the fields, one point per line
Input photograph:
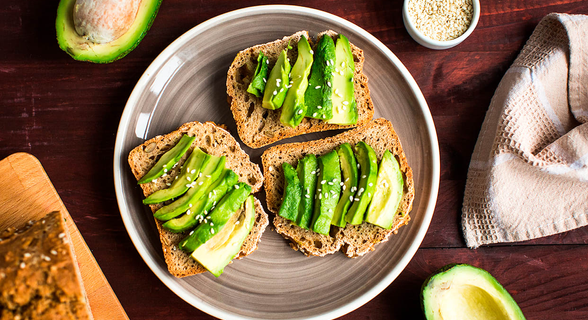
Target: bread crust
x=353 y=240
x=39 y=277
x=257 y=126
x=212 y=139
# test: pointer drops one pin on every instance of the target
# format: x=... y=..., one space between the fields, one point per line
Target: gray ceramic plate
x=187 y=82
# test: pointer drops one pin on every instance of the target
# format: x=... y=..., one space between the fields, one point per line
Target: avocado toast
x=353 y=240
x=258 y=126
x=216 y=141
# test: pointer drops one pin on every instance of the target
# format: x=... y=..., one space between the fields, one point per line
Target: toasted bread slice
x=39 y=277
x=214 y=140
x=257 y=126
x=353 y=240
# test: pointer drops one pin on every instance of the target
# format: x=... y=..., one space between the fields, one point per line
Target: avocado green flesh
x=466 y=292
x=169 y=159
x=84 y=50
x=328 y=192
x=292 y=193
x=388 y=193
x=209 y=173
x=201 y=207
x=190 y=170
x=306 y=169
x=368 y=162
x=217 y=219
x=318 y=95
x=344 y=105
x=215 y=254
x=350 y=179
x=257 y=85
x=276 y=87
x=294 y=109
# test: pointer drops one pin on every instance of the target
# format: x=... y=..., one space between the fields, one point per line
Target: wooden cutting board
x=28 y=194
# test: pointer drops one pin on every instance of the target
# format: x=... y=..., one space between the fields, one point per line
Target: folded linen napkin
x=528 y=176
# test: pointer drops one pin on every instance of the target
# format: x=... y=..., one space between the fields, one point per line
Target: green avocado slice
x=292 y=193
x=200 y=208
x=307 y=174
x=318 y=95
x=388 y=193
x=368 y=164
x=328 y=191
x=294 y=109
x=217 y=219
x=257 y=84
x=344 y=105
x=277 y=84
x=209 y=173
x=84 y=50
x=183 y=181
x=169 y=159
x=217 y=252
x=350 y=179
x=462 y=291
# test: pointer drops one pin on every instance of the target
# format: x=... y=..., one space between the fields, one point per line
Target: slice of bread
x=257 y=126
x=212 y=139
x=39 y=277
x=353 y=240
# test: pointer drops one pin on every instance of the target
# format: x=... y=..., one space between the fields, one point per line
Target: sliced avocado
x=344 y=106
x=183 y=181
x=217 y=219
x=292 y=193
x=83 y=49
x=307 y=174
x=368 y=164
x=257 y=84
x=388 y=193
x=215 y=254
x=318 y=96
x=328 y=191
x=200 y=208
x=294 y=109
x=277 y=84
x=169 y=159
x=209 y=174
x=349 y=174
x=462 y=291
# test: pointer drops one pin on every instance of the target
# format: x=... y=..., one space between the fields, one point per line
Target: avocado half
x=85 y=50
x=461 y=291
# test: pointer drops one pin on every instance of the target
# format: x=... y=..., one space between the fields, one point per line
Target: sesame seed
x=154 y=180
x=345 y=103
x=176 y=178
x=275 y=92
x=53 y=252
x=164 y=175
x=320 y=195
x=326 y=195
x=363 y=177
x=271 y=168
x=168 y=184
x=267 y=61
x=278 y=81
x=369 y=195
x=61 y=235
x=264 y=80
x=330 y=210
x=356 y=199
x=343 y=64
x=358 y=166
x=192 y=232
x=46 y=258
x=327 y=62
x=164 y=170
x=188 y=178
x=193 y=171
x=307 y=195
x=329 y=83
x=344 y=187
x=317 y=87
x=313 y=172
x=188 y=169
x=300 y=111
x=370 y=184
x=281 y=89
x=311 y=52
x=190 y=205
x=236 y=186
x=323 y=182
x=351 y=198
x=331 y=61
x=212 y=231
x=27 y=255
x=341 y=184
x=324 y=116
x=314 y=114
x=319 y=107
x=211 y=224
x=188 y=212
x=22 y=265
x=330 y=183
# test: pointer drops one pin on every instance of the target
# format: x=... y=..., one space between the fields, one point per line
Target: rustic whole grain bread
x=212 y=139
x=39 y=277
x=257 y=126
x=353 y=240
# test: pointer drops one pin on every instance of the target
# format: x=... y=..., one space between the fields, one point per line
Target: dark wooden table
x=66 y=113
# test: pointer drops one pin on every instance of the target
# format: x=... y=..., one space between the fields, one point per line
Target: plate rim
x=202 y=27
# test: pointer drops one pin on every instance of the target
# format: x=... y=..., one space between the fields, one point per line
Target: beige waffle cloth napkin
x=528 y=176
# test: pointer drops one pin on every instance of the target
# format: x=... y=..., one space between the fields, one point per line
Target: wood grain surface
x=28 y=195
x=66 y=113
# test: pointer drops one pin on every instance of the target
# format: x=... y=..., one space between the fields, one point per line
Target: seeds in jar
x=441 y=20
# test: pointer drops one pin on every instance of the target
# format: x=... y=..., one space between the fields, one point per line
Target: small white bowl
x=425 y=41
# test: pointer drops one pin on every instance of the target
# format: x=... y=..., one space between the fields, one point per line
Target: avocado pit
x=103 y=21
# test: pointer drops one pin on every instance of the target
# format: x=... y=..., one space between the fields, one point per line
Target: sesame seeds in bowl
x=440 y=24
